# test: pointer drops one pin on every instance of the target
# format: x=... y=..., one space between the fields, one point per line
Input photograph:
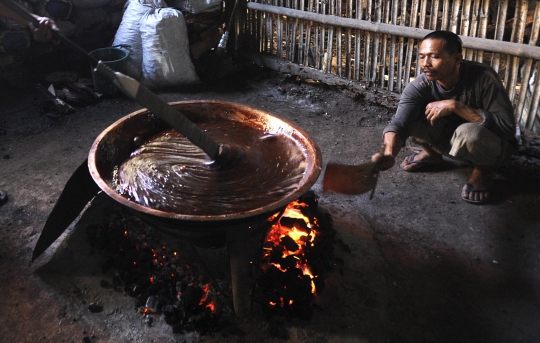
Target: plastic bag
x=166 y=59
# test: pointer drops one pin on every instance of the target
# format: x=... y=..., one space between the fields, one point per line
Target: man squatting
x=455 y=108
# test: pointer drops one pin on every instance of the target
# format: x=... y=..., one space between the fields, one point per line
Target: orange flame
x=300 y=237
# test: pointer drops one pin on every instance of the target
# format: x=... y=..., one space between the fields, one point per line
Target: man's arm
x=394 y=143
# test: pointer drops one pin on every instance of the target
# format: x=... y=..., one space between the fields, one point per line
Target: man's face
x=436 y=63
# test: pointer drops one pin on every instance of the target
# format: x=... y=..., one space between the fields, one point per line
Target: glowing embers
x=162 y=283
x=297 y=251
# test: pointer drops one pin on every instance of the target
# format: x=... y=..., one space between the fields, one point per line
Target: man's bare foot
x=420 y=160
x=477 y=190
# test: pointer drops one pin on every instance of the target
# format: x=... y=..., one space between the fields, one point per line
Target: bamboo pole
x=421 y=24
x=376 y=42
x=410 y=43
x=474 y=27
x=527 y=68
x=307 y=43
x=402 y=23
x=339 y=40
x=507 y=58
x=287 y=32
x=279 y=36
x=358 y=42
x=483 y=26
x=499 y=31
x=330 y=41
x=300 y=50
x=465 y=20
x=532 y=118
x=367 y=45
x=391 y=67
x=383 y=64
x=445 y=15
x=519 y=24
x=433 y=19
x=320 y=53
x=348 y=43
x=454 y=17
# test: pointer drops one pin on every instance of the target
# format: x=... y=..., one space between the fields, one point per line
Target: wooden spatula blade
x=349 y=179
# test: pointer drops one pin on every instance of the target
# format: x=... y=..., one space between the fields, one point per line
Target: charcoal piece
x=191 y=298
x=95 y=308
x=288 y=262
x=299 y=224
x=151 y=304
x=278 y=330
x=105 y=284
x=289 y=243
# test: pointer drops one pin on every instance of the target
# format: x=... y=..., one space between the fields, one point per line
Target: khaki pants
x=467 y=142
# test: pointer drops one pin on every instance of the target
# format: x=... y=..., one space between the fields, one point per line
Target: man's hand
x=393 y=144
x=438 y=109
x=383 y=162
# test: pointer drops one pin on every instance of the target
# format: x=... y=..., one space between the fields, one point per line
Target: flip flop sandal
x=3 y=197
x=418 y=164
x=471 y=188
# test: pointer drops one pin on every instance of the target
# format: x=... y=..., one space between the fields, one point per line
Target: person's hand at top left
x=45 y=29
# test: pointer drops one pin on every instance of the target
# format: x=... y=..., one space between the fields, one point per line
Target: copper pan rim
x=105 y=152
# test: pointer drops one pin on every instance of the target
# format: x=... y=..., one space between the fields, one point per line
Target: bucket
x=115 y=57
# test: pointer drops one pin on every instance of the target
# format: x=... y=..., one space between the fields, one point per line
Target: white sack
x=196 y=6
x=166 y=60
x=128 y=33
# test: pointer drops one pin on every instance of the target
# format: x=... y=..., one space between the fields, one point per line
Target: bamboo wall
x=376 y=41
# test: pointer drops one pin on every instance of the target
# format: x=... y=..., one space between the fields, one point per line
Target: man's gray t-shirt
x=479 y=87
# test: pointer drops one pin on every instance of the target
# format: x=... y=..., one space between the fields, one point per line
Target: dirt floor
x=417 y=264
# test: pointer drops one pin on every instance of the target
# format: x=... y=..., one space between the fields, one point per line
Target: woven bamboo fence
x=376 y=41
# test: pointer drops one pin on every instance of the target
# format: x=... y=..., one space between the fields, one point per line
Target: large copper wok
x=114 y=145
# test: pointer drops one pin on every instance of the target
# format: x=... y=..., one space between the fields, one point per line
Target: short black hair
x=452 y=45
